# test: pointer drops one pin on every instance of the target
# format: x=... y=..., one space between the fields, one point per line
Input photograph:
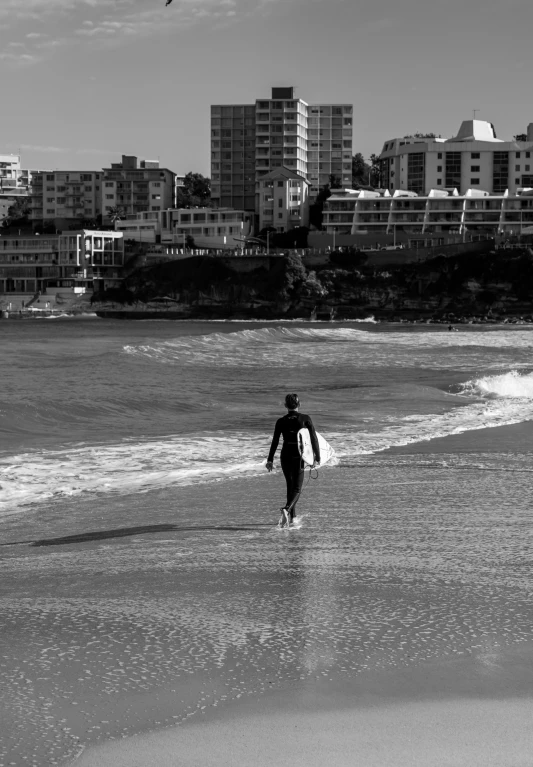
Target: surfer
x=291 y=462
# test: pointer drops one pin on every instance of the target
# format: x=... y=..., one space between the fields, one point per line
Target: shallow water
x=148 y=440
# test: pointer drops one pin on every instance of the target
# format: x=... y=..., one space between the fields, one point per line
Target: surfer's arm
x=275 y=442
x=314 y=440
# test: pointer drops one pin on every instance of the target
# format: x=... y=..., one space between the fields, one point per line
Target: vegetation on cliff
x=492 y=283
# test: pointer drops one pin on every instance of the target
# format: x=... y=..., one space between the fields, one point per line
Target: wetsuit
x=291 y=462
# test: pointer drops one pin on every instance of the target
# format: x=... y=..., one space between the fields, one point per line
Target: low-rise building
x=283 y=200
x=473 y=159
x=143 y=227
x=77 y=259
x=220 y=228
x=476 y=212
x=135 y=186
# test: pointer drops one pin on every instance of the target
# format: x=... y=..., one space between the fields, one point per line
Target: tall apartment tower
x=248 y=141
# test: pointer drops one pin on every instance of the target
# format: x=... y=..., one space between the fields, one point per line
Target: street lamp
x=334 y=230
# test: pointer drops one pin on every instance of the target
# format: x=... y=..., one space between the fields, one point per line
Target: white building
x=14 y=182
x=476 y=212
x=143 y=227
x=473 y=159
x=283 y=200
x=220 y=228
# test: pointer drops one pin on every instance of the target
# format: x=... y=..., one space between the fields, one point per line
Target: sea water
x=138 y=522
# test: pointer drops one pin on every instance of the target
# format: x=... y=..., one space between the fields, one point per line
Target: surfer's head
x=292 y=401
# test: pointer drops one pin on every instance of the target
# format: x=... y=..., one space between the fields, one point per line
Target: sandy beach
x=199 y=640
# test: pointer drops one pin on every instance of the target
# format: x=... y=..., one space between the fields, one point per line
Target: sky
x=85 y=81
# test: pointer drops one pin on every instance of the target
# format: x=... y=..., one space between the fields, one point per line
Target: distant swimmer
x=451 y=328
x=291 y=461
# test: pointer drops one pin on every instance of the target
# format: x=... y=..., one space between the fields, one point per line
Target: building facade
x=475 y=212
x=250 y=140
x=283 y=200
x=15 y=182
x=29 y=264
x=136 y=186
x=65 y=197
x=219 y=228
x=473 y=159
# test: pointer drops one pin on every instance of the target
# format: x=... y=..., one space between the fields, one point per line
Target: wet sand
x=397 y=629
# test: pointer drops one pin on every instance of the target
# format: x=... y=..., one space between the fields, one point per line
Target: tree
x=195 y=193
x=317 y=208
x=375 y=170
x=115 y=213
x=521 y=137
x=335 y=181
x=17 y=213
x=360 y=170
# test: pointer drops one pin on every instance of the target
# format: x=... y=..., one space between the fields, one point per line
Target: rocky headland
x=484 y=286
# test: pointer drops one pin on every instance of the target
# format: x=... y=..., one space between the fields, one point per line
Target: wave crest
x=513 y=385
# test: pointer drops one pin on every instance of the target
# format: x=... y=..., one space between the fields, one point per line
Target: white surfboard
x=306 y=449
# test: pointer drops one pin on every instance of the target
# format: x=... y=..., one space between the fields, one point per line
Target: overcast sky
x=84 y=81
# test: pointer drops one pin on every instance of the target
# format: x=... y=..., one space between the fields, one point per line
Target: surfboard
x=306 y=449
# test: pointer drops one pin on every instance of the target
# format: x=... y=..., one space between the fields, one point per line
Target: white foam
x=283 y=345
x=142 y=465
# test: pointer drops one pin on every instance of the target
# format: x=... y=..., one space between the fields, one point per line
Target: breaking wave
x=141 y=465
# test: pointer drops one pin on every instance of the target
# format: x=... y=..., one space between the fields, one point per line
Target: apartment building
x=441 y=211
x=136 y=186
x=65 y=198
x=29 y=264
x=473 y=159
x=14 y=181
x=221 y=228
x=283 y=200
x=250 y=140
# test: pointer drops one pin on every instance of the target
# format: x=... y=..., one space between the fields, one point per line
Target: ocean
x=144 y=581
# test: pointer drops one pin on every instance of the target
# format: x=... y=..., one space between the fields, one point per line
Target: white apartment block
x=473 y=159
x=142 y=227
x=248 y=141
x=137 y=186
x=65 y=197
x=220 y=228
x=14 y=181
x=283 y=200
x=475 y=212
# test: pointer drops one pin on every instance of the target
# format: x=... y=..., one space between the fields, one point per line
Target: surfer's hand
x=269 y=465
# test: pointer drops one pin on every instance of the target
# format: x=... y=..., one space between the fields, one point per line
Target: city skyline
x=89 y=80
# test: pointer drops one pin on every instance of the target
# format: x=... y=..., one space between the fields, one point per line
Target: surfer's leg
x=299 y=473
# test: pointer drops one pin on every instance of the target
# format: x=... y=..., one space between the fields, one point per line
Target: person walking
x=291 y=462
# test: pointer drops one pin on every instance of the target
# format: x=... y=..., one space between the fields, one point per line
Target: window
x=475 y=155
x=518 y=154
x=453 y=169
x=280 y=183
x=517 y=181
x=439 y=156
x=110 y=183
x=474 y=169
x=474 y=181
x=50 y=210
x=439 y=182
x=528 y=155
x=61 y=200
x=439 y=168
x=528 y=167
x=109 y=196
x=500 y=172
x=280 y=215
x=280 y=203
x=517 y=168
x=156 y=197
x=156 y=183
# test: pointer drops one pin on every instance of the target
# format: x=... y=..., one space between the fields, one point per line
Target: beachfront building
x=206 y=228
x=135 y=186
x=75 y=260
x=475 y=212
x=65 y=198
x=473 y=159
x=143 y=227
x=250 y=140
x=283 y=200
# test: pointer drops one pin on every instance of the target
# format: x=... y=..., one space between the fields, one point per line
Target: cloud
x=40 y=148
x=20 y=59
x=35 y=35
